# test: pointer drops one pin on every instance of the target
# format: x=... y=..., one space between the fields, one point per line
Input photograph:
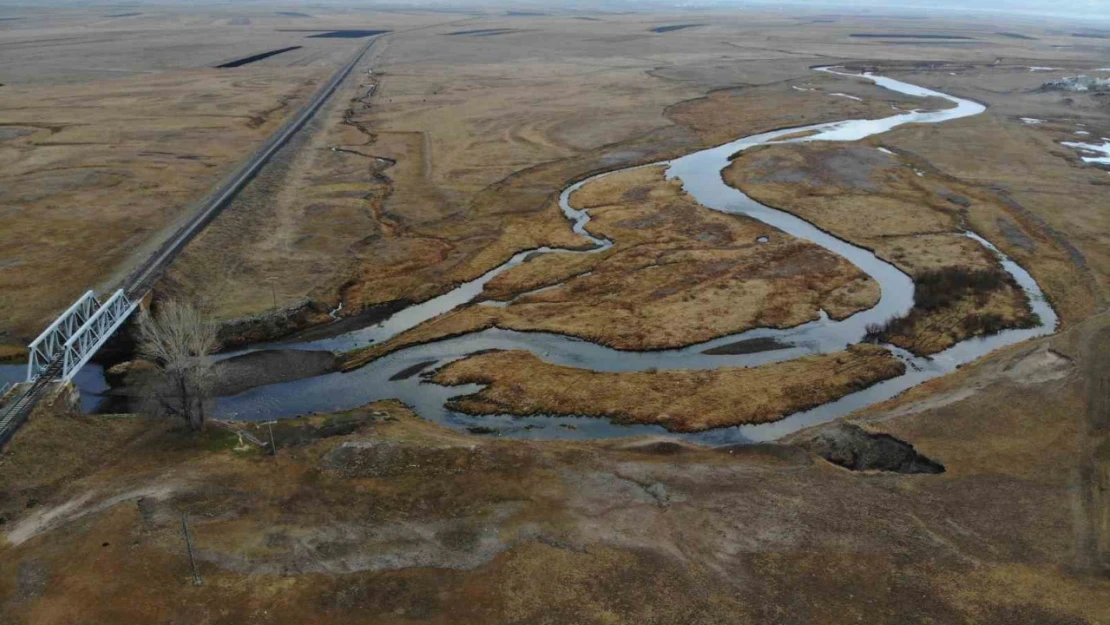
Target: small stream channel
x=700 y=174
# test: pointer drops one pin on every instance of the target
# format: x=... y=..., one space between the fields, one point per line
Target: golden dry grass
x=1033 y=198
x=466 y=186
x=422 y=523
x=909 y=217
x=681 y=401
x=677 y=274
x=93 y=175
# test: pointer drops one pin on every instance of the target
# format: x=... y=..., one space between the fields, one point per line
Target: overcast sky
x=1072 y=9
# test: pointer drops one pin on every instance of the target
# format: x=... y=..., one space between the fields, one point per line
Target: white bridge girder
x=78 y=333
x=52 y=341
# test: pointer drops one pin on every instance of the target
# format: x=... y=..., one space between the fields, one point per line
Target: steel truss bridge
x=63 y=348
x=77 y=334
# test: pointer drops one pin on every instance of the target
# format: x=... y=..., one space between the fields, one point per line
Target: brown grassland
x=403 y=210
x=681 y=401
x=1008 y=181
x=376 y=516
x=914 y=221
x=442 y=157
x=677 y=274
x=93 y=176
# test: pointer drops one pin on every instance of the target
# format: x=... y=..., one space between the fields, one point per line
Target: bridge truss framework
x=77 y=334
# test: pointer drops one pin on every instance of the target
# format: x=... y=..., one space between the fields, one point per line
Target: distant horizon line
x=650 y=6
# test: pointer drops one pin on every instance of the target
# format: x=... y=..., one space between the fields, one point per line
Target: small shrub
x=945 y=288
x=941 y=288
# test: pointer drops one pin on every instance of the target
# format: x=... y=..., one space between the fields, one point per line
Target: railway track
x=143 y=278
x=139 y=283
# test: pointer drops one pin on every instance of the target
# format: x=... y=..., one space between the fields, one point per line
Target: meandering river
x=700 y=175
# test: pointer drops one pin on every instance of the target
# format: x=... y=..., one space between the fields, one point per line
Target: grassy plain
x=677 y=274
x=913 y=220
x=376 y=516
x=1003 y=174
x=113 y=129
x=681 y=401
x=434 y=183
x=93 y=175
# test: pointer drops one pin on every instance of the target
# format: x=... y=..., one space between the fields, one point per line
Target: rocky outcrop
x=856 y=449
x=1080 y=84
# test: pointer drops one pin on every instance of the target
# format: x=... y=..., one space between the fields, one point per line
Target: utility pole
x=273 y=290
x=189 y=546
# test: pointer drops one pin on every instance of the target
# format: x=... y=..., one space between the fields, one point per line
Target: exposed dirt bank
x=853 y=448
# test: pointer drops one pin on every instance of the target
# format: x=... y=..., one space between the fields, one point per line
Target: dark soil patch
x=773 y=453
x=347 y=34
x=240 y=373
x=408 y=372
x=853 y=448
x=667 y=29
x=905 y=36
x=368 y=317
x=747 y=346
x=382 y=459
x=658 y=447
x=936 y=43
x=293 y=14
x=483 y=32
x=123 y=15
x=300 y=432
x=255 y=57
x=14 y=132
x=1017 y=36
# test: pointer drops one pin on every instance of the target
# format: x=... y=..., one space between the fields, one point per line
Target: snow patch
x=1032 y=121
x=1102 y=152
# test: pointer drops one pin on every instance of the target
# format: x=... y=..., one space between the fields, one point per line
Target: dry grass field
x=995 y=174
x=677 y=274
x=111 y=132
x=913 y=220
x=376 y=516
x=681 y=401
x=441 y=157
x=94 y=175
x=406 y=208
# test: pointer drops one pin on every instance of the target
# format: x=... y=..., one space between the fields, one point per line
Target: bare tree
x=179 y=340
